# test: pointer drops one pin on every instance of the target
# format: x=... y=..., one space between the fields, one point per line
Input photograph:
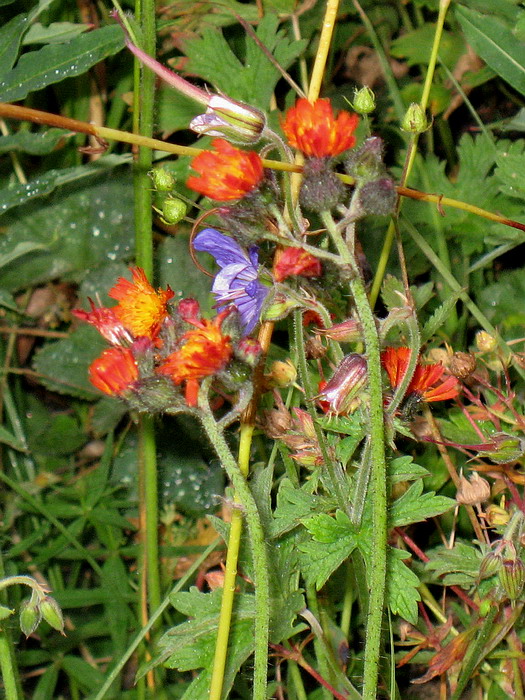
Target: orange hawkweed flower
x=106 y=323
x=313 y=129
x=226 y=173
x=296 y=261
x=114 y=371
x=140 y=308
x=205 y=352
x=426 y=383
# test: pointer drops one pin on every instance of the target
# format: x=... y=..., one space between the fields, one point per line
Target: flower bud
x=512 y=577
x=248 y=350
x=5 y=612
x=52 y=614
x=485 y=342
x=366 y=163
x=173 y=210
x=321 y=189
x=347 y=381
x=281 y=374
x=490 y=565
x=280 y=307
x=154 y=394
x=496 y=516
x=504 y=448
x=235 y=121
x=377 y=197
x=30 y=616
x=189 y=309
x=364 y=101
x=415 y=120
x=348 y=331
x=473 y=491
x=163 y=180
x=462 y=364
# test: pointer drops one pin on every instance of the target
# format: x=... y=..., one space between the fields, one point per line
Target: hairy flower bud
x=348 y=331
x=490 y=565
x=173 y=210
x=162 y=179
x=415 y=120
x=321 y=189
x=364 y=101
x=366 y=163
x=248 y=350
x=52 y=613
x=342 y=390
x=485 y=342
x=377 y=197
x=512 y=577
x=281 y=374
x=496 y=516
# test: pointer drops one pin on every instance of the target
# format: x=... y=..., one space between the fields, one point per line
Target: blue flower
x=237 y=282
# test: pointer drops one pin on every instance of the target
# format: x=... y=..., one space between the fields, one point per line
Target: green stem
x=257 y=541
x=377 y=573
x=8 y=666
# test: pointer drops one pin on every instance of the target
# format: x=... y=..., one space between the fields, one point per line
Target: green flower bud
x=280 y=307
x=490 y=565
x=378 y=197
x=485 y=342
x=5 y=612
x=366 y=163
x=52 y=614
x=30 y=616
x=364 y=101
x=163 y=180
x=504 y=448
x=415 y=120
x=154 y=394
x=173 y=210
x=512 y=577
x=321 y=189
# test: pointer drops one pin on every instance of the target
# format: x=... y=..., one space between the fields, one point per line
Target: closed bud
x=276 y=422
x=415 y=120
x=485 y=342
x=248 y=350
x=163 y=180
x=512 y=577
x=473 y=491
x=154 y=394
x=52 y=614
x=343 y=388
x=377 y=197
x=366 y=163
x=321 y=189
x=281 y=374
x=504 y=448
x=235 y=121
x=462 y=364
x=189 y=309
x=5 y=612
x=496 y=516
x=346 y=332
x=490 y=565
x=280 y=307
x=364 y=101
x=173 y=210
x=30 y=616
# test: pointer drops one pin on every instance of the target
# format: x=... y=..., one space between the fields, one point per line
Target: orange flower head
x=226 y=173
x=296 y=261
x=313 y=129
x=205 y=352
x=140 y=308
x=426 y=384
x=107 y=324
x=114 y=371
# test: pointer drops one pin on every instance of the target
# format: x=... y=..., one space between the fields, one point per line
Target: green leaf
x=510 y=167
x=293 y=504
x=414 y=506
x=10 y=37
x=55 y=62
x=55 y=33
x=415 y=46
x=85 y=675
x=459 y=565
x=63 y=365
x=402 y=583
x=405 y=469
x=439 y=317
x=8 y=438
x=253 y=81
x=60 y=434
x=495 y=43
x=22 y=248
x=333 y=540
x=503 y=302
x=37 y=144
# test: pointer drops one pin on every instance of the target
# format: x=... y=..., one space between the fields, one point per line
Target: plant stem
x=257 y=542
x=8 y=666
x=322 y=51
x=377 y=572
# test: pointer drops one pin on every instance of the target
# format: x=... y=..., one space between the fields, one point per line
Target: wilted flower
x=140 y=308
x=426 y=382
x=473 y=491
x=107 y=324
x=313 y=129
x=114 y=371
x=296 y=261
x=237 y=283
x=205 y=351
x=226 y=173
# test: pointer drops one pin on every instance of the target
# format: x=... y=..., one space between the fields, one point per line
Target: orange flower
x=296 y=261
x=106 y=323
x=141 y=309
x=114 y=371
x=226 y=173
x=426 y=383
x=313 y=129
x=205 y=352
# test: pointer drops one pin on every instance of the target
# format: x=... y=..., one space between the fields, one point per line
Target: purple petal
x=224 y=249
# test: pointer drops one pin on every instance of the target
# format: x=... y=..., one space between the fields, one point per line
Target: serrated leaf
x=392 y=292
x=414 y=506
x=495 y=43
x=333 y=542
x=416 y=46
x=440 y=316
x=405 y=469
x=402 y=595
x=10 y=38
x=37 y=144
x=459 y=565
x=293 y=504
x=63 y=366
x=55 y=62
x=509 y=171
